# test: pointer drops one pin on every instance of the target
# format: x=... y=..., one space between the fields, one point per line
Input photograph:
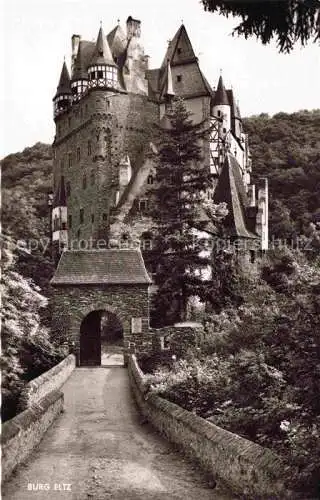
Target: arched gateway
x=90 y=284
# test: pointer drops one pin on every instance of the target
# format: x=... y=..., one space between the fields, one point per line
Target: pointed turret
x=102 y=71
x=79 y=82
x=168 y=88
x=102 y=53
x=63 y=97
x=221 y=108
x=221 y=96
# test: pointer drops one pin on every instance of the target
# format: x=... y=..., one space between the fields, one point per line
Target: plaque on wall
x=136 y=325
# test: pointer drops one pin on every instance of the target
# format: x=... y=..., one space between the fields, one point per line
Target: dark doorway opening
x=101 y=340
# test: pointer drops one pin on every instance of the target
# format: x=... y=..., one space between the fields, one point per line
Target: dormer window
x=179 y=50
x=150 y=179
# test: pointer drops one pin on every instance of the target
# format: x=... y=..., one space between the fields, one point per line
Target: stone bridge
x=99 y=448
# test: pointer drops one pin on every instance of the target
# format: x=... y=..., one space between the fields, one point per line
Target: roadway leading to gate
x=100 y=447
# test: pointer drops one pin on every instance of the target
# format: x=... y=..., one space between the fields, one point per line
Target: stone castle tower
x=105 y=111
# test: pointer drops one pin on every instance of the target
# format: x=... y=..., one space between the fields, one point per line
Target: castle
x=104 y=114
x=104 y=170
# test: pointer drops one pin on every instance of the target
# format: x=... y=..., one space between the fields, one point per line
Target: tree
x=288 y=21
x=181 y=180
x=27 y=350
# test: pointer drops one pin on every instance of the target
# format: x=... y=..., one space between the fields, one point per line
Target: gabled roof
x=230 y=189
x=60 y=197
x=108 y=267
x=64 y=82
x=185 y=54
x=80 y=69
x=102 y=53
x=117 y=40
x=221 y=96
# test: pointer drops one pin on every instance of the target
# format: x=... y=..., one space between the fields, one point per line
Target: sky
x=36 y=35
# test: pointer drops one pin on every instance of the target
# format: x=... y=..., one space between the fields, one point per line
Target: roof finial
x=221 y=71
x=181 y=21
x=100 y=24
x=118 y=21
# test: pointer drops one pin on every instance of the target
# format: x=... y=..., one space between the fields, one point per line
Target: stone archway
x=86 y=283
x=101 y=339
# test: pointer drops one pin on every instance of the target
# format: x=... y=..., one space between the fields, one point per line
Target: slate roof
x=64 y=82
x=117 y=41
x=102 y=53
x=80 y=69
x=221 y=96
x=109 y=267
x=231 y=190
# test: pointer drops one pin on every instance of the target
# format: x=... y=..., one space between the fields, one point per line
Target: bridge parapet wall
x=21 y=434
x=49 y=381
x=244 y=467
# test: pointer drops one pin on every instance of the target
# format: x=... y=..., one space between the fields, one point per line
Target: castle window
x=146 y=241
x=56 y=223
x=68 y=186
x=92 y=218
x=70 y=159
x=219 y=112
x=81 y=215
x=252 y=256
x=224 y=130
x=63 y=226
x=179 y=78
x=78 y=154
x=89 y=148
x=70 y=221
x=100 y=74
x=104 y=216
x=150 y=179
x=84 y=182
x=143 y=205
x=78 y=233
x=92 y=178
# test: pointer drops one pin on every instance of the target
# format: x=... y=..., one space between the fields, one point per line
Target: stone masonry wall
x=21 y=434
x=71 y=304
x=115 y=124
x=245 y=467
x=49 y=381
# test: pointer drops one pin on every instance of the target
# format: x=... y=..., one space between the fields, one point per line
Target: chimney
x=75 y=40
x=133 y=28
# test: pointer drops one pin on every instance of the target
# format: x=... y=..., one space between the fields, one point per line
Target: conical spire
x=168 y=90
x=221 y=96
x=60 y=198
x=102 y=53
x=79 y=70
x=64 y=82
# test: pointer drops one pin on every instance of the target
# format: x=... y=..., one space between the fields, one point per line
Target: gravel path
x=99 y=449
